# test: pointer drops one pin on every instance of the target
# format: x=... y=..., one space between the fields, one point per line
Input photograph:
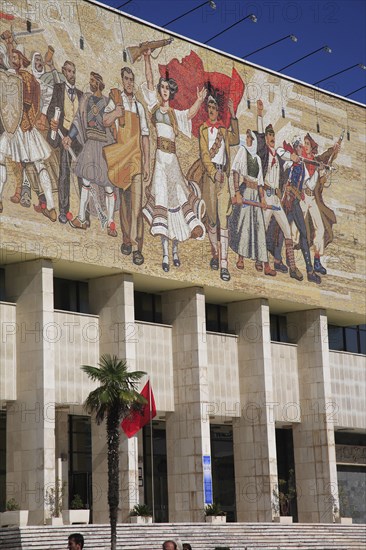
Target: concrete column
x=314 y=448
x=31 y=419
x=112 y=299
x=188 y=428
x=254 y=432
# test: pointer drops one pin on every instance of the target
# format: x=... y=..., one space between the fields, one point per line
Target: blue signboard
x=207 y=479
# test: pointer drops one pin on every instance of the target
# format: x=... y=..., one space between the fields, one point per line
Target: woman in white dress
x=247 y=234
x=172 y=210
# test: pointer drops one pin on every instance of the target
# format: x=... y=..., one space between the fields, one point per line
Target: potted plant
x=13 y=516
x=282 y=499
x=214 y=514
x=140 y=513
x=77 y=513
x=54 y=497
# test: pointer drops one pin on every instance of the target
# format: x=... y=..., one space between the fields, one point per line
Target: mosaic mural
x=175 y=161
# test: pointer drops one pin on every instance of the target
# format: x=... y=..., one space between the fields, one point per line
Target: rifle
x=246 y=202
x=133 y=53
x=323 y=179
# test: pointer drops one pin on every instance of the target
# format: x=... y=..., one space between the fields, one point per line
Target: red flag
x=141 y=416
x=192 y=65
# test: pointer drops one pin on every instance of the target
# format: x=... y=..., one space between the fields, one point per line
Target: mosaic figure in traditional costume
x=91 y=166
x=128 y=161
x=172 y=209
x=274 y=176
x=319 y=218
x=46 y=75
x=293 y=194
x=215 y=141
x=26 y=144
x=61 y=112
x=247 y=234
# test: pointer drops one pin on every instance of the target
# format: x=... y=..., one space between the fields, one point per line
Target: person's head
x=297 y=146
x=187 y=546
x=38 y=62
x=212 y=109
x=69 y=72
x=75 y=542
x=270 y=136
x=249 y=138
x=167 y=88
x=128 y=80
x=170 y=545
x=310 y=145
x=18 y=58
x=96 y=82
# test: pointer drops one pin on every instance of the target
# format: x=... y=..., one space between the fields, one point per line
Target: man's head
x=128 y=80
x=18 y=58
x=38 y=62
x=69 y=72
x=297 y=145
x=270 y=136
x=75 y=542
x=170 y=545
x=187 y=546
x=212 y=109
x=96 y=82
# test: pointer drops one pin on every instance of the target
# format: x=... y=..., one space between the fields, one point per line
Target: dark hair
x=187 y=546
x=128 y=71
x=67 y=62
x=99 y=79
x=77 y=538
x=173 y=88
x=172 y=541
x=217 y=96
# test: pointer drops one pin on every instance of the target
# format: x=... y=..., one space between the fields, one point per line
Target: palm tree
x=112 y=400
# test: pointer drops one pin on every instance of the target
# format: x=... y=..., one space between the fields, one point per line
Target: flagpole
x=152 y=455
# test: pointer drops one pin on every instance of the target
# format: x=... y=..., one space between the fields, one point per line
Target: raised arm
x=148 y=70
x=201 y=94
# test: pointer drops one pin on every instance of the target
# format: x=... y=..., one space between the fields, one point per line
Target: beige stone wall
x=31 y=234
x=8 y=373
x=348 y=381
x=77 y=344
x=223 y=375
x=155 y=357
x=286 y=406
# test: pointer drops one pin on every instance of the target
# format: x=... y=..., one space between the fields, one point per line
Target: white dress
x=172 y=209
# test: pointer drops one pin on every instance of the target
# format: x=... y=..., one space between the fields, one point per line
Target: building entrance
x=159 y=465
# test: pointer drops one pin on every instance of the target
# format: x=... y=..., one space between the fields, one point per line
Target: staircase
x=202 y=536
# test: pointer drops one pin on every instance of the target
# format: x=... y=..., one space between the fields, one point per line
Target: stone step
x=236 y=536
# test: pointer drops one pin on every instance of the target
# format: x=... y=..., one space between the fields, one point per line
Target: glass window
x=278 y=328
x=351 y=339
x=148 y=307
x=70 y=295
x=2 y=285
x=335 y=338
x=216 y=318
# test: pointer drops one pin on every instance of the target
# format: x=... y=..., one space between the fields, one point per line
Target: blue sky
x=339 y=24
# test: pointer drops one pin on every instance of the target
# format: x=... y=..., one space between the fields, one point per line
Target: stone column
x=314 y=448
x=31 y=419
x=254 y=432
x=112 y=299
x=188 y=428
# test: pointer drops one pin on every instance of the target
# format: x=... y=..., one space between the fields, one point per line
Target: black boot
x=314 y=278
x=318 y=268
